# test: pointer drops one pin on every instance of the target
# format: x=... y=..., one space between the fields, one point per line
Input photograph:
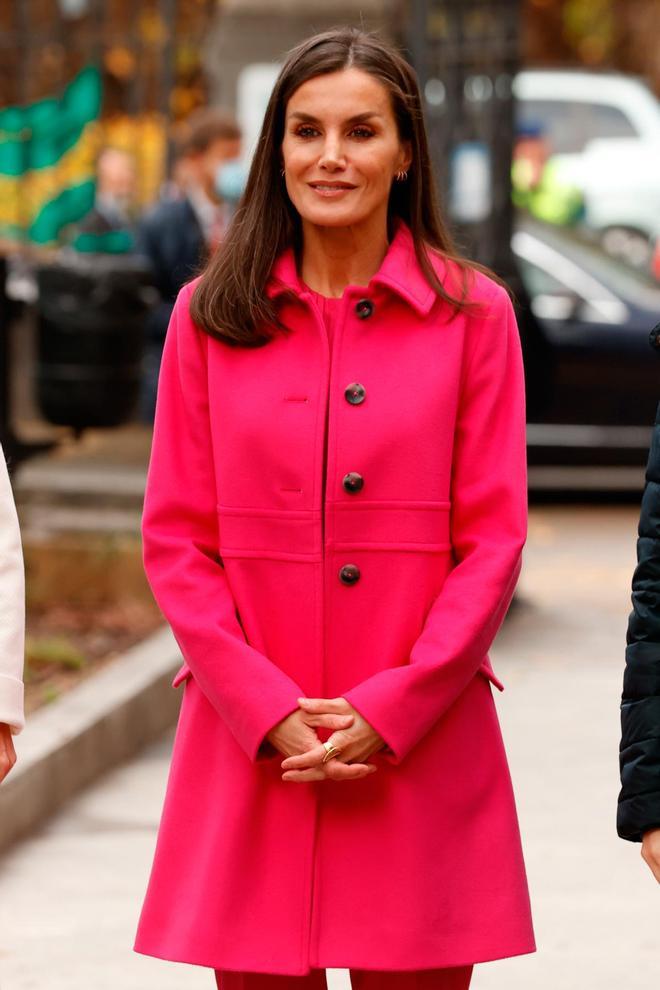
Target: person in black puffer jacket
x=638 y=805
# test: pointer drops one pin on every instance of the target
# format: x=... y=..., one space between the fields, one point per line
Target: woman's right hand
x=7 y=751
x=295 y=734
x=651 y=851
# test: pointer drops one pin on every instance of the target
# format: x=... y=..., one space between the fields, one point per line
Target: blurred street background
x=126 y=134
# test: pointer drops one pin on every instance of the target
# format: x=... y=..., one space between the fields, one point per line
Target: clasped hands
x=353 y=735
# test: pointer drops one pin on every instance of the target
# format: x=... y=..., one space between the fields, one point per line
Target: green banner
x=47 y=152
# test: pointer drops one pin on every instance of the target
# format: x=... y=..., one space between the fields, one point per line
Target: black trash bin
x=91 y=314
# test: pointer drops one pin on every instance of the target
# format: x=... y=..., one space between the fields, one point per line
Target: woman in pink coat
x=333 y=525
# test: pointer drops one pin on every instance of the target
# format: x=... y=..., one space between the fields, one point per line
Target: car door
x=605 y=375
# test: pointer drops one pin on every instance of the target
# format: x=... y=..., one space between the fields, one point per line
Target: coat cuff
x=252 y=725
x=257 y=746
x=251 y=719
x=375 y=706
x=636 y=815
x=12 y=695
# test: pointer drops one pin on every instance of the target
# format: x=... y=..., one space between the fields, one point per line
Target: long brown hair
x=229 y=301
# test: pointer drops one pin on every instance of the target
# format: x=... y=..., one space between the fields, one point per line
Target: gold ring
x=330 y=751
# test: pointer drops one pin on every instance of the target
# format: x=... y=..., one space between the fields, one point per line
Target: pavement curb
x=94 y=726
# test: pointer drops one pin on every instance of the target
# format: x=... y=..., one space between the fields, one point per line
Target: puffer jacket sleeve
x=488 y=531
x=638 y=804
x=12 y=609
x=180 y=548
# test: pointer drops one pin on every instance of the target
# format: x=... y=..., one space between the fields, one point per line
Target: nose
x=332 y=155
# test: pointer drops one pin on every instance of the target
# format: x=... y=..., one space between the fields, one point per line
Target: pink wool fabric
x=330 y=309
x=246 y=528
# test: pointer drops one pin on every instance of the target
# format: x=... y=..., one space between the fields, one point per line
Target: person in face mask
x=230 y=179
x=180 y=233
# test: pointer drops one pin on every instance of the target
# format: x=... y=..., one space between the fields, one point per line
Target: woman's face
x=340 y=130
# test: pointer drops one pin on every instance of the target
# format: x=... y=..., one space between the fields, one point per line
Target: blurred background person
x=180 y=233
x=540 y=182
x=175 y=182
x=109 y=225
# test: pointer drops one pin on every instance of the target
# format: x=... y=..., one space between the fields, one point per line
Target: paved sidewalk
x=560 y=656
x=70 y=895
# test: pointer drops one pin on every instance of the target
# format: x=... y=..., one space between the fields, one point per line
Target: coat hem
x=474 y=959
x=182 y=956
x=324 y=962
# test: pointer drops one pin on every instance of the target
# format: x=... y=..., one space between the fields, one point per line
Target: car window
x=538 y=282
x=568 y=125
x=551 y=299
x=557 y=119
x=602 y=121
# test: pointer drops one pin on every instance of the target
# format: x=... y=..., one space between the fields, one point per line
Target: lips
x=331 y=185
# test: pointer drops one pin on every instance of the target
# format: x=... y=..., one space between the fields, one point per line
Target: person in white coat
x=12 y=623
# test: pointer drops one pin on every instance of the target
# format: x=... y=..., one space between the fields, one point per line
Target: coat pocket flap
x=181 y=674
x=490 y=674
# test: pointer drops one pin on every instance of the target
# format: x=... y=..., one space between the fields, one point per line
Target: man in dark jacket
x=638 y=806
x=178 y=234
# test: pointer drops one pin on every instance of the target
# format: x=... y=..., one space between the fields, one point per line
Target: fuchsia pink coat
x=248 y=531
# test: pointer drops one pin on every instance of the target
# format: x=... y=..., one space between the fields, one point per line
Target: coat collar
x=399 y=271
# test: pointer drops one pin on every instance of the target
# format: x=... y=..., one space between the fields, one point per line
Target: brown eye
x=362 y=132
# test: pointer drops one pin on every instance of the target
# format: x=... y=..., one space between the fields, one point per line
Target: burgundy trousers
x=450 y=978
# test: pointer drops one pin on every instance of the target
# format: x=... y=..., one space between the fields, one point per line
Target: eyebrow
x=356 y=118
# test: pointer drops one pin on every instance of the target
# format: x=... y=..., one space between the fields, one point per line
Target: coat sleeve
x=488 y=524
x=12 y=609
x=180 y=549
x=638 y=803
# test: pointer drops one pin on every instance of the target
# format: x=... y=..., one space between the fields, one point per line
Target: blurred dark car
x=595 y=315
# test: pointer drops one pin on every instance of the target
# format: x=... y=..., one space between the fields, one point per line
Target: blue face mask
x=230 y=178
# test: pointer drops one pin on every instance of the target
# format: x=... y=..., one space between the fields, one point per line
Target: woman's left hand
x=356 y=743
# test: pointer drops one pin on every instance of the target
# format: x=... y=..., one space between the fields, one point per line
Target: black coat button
x=654 y=337
x=355 y=393
x=364 y=308
x=353 y=481
x=349 y=573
